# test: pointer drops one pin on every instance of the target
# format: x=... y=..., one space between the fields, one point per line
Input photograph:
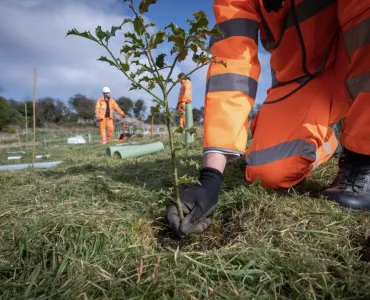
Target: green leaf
x=145 y=79
x=128 y=56
x=193 y=47
x=138 y=26
x=201 y=22
x=85 y=34
x=138 y=54
x=125 y=67
x=151 y=85
x=136 y=41
x=135 y=62
x=196 y=58
x=199 y=15
x=178 y=40
x=159 y=61
x=127 y=48
x=143 y=7
x=215 y=32
x=112 y=32
x=190 y=163
x=100 y=34
x=103 y=58
x=187 y=180
x=155 y=109
x=175 y=49
x=156 y=39
x=150 y=25
x=179 y=130
x=183 y=54
x=192 y=130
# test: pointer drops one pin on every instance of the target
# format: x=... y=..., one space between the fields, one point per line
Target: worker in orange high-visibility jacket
x=320 y=66
x=104 y=114
x=184 y=97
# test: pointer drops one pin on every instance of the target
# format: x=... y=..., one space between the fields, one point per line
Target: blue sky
x=33 y=35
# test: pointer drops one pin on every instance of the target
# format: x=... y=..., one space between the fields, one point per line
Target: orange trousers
x=182 y=108
x=292 y=137
x=106 y=130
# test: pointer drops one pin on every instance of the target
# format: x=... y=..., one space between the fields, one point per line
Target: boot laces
x=353 y=176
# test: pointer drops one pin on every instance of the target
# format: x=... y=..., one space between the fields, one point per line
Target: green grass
x=93 y=228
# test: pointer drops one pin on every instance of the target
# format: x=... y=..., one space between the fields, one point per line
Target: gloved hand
x=273 y=5
x=97 y=120
x=197 y=202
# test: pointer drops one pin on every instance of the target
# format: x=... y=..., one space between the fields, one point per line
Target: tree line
x=79 y=107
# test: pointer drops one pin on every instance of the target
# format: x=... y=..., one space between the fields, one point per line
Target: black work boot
x=351 y=186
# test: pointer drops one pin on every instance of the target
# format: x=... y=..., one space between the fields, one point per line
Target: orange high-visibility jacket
x=101 y=107
x=185 y=93
x=231 y=91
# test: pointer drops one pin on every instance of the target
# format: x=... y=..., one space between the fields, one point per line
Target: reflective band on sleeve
x=358 y=84
x=328 y=150
x=358 y=36
x=232 y=82
x=236 y=27
x=281 y=151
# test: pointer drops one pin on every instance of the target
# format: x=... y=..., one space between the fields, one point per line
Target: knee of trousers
x=283 y=173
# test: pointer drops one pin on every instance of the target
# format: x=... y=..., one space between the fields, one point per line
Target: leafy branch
x=141 y=62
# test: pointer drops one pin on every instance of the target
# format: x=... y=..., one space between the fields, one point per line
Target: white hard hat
x=106 y=90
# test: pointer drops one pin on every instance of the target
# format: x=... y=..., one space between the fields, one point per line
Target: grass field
x=93 y=228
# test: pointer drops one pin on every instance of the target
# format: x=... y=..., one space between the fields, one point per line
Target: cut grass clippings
x=93 y=228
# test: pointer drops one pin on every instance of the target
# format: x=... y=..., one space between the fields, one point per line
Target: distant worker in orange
x=104 y=114
x=184 y=97
x=320 y=67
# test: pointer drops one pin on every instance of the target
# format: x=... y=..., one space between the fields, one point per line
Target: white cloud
x=33 y=34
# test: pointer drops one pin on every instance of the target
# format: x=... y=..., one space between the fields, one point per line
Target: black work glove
x=198 y=202
x=273 y=5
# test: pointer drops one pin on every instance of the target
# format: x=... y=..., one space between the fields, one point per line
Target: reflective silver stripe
x=232 y=82
x=358 y=84
x=222 y=150
x=307 y=9
x=327 y=147
x=328 y=150
x=236 y=27
x=281 y=151
x=358 y=36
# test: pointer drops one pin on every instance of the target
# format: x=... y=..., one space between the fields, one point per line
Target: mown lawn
x=93 y=228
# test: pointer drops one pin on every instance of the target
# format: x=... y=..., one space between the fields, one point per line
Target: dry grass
x=92 y=228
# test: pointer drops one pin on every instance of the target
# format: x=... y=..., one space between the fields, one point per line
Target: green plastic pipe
x=48 y=164
x=189 y=123
x=137 y=151
x=110 y=150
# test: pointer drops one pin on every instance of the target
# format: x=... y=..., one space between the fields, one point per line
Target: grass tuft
x=93 y=228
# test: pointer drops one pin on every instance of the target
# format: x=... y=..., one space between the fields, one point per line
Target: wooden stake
x=152 y=127
x=124 y=127
x=34 y=119
x=25 y=111
x=19 y=139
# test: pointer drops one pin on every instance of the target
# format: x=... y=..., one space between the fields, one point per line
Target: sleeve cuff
x=232 y=154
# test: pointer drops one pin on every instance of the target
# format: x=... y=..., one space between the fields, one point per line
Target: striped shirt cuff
x=231 y=155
